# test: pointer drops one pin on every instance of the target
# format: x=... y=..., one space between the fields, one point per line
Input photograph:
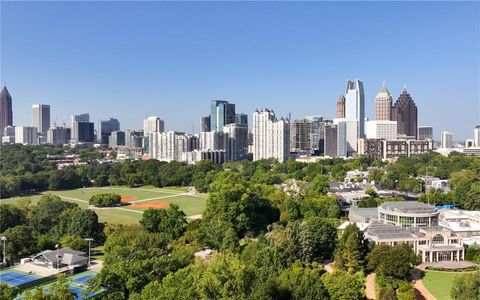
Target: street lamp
x=4 y=239
x=89 y=240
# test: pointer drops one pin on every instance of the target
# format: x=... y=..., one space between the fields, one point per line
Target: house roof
x=65 y=255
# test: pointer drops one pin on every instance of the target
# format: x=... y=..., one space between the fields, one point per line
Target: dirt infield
x=125 y=199
x=150 y=204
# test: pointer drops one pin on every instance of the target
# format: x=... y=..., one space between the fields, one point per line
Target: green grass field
x=439 y=283
x=192 y=205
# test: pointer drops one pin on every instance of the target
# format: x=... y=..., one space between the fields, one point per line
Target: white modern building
x=171 y=145
x=446 y=138
x=41 y=117
x=476 y=137
x=8 y=135
x=58 y=135
x=153 y=124
x=271 y=136
x=85 y=117
x=381 y=129
x=347 y=136
x=355 y=105
x=26 y=135
x=212 y=140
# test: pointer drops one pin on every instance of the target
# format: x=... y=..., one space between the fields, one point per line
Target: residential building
x=205 y=124
x=85 y=117
x=386 y=149
x=6 y=112
x=212 y=140
x=221 y=113
x=331 y=140
x=58 y=135
x=300 y=136
x=405 y=112
x=355 y=105
x=153 y=124
x=271 y=136
x=446 y=139
x=340 y=107
x=105 y=128
x=241 y=118
x=171 y=145
x=347 y=136
x=8 y=135
x=476 y=135
x=317 y=134
x=116 y=139
x=26 y=135
x=425 y=133
x=83 y=132
x=381 y=129
x=236 y=141
x=373 y=148
x=41 y=117
x=383 y=104
x=133 y=139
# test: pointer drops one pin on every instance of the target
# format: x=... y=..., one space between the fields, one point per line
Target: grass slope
x=439 y=283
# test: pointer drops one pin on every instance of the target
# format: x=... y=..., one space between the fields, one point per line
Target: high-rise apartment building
x=340 y=107
x=236 y=141
x=381 y=129
x=221 y=113
x=205 y=124
x=57 y=135
x=331 y=140
x=153 y=124
x=300 y=136
x=171 y=145
x=133 y=139
x=212 y=140
x=41 y=117
x=6 y=112
x=447 y=139
x=347 y=136
x=26 y=135
x=405 y=112
x=476 y=136
x=85 y=117
x=105 y=128
x=425 y=133
x=116 y=139
x=355 y=105
x=383 y=104
x=271 y=136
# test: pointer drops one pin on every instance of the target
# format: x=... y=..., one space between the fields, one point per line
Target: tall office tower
x=355 y=105
x=236 y=141
x=6 y=113
x=405 y=112
x=205 y=124
x=425 y=132
x=447 y=138
x=300 y=136
x=241 y=118
x=83 y=132
x=153 y=124
x=105 y=127
x=271 y=137
x=26 y=135
x=41 y=117
x=116 y=139
x=221 y=113
x=476 y=137
x=381 y=129
x=133 y=139
x=347 y=136
x=341 y=107
x=85 y=117
x=317 y=135
x=212 y=140
x=331 y=135
x=8 y=135
x=57 y=135
x=383 y=104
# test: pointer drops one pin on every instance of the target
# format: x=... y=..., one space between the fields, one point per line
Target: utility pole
x=89 y=240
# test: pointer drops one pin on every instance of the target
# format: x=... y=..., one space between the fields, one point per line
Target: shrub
x=105 y=200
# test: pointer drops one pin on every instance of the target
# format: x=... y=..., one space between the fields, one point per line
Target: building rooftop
x=408 y=207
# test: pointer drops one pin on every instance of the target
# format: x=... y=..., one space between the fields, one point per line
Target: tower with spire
x=6 y=112
x=405 y=112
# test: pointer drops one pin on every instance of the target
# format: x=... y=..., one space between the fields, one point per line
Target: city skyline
x=294 y=79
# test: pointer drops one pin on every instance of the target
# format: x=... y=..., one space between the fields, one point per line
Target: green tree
x=81 y=222
x=230 y=241
x=472 y=201
x=466 y=286
x=314 y=238
x=8 y=293
x=179 y=285
x=74 y=242
x=11 y=216
x=319 y=186
x=344 y=286
x=392 y=261
x=10 y=186
x=303 y=282
x=60 y=290
x=171 y=222
x=105 y=200
x=47 y=213
x=351 y=250
x=20 y=242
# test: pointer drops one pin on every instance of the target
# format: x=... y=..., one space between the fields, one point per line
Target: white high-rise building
x=347 y=136
x=447 y=138
x=381 y=129
x=212 y=140
x=355 y=105
x=58 y=135
x=171 y=145
x=476 y=137
x=26 y=135
x=271 y=137
x=41 y=117
x=153 y=124
x=236 y=141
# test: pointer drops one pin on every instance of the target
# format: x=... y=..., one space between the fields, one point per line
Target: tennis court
x=16 y=278
x=83 y=280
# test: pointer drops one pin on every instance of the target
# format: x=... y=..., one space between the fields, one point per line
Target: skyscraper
x=381 y=129
x=317 y=135
x=355 y=105
x=341 y=107
x=383 y=104
x=241 y=118
x=116 y=138
x=425 y=132
x=58 y=135
x=105 y=128
x=83 y=132
x=271 y=136
x=205 y=124
x=6 y=113
x=404 y=111
x=221 y=113
x=236 y=141
x=41 y=117
x=26 y=135
x=300 y=135
x=476 y=137
x=85 y=117
x=331 y=135
x=153 y=124
x=447 y=139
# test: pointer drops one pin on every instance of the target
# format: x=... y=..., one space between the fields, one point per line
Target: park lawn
x=439 y=283
x=190 y=204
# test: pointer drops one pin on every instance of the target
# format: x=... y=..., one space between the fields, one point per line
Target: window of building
x=438 y=239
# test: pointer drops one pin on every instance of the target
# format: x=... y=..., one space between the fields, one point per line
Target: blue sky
x=126 y=59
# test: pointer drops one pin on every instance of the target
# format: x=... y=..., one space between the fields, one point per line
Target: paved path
x=370 y=286
x=420 y=289
x=328 y=267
